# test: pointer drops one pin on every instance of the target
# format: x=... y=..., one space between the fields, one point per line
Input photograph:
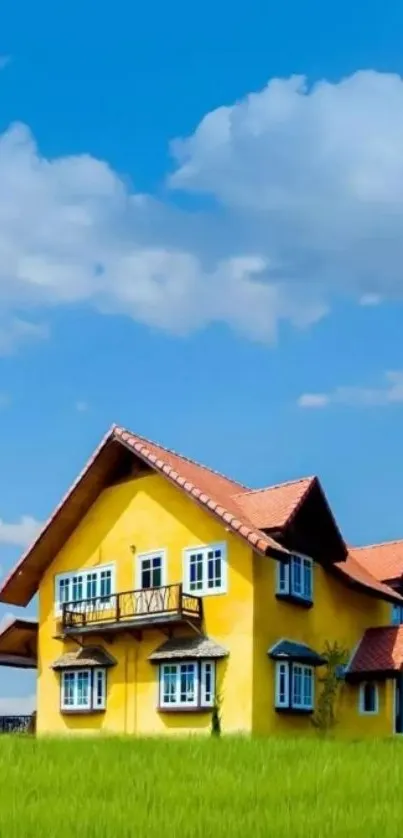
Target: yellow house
x=170 y=596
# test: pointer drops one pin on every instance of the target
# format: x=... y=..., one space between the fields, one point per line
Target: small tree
x=216 y=716
x=324 y=718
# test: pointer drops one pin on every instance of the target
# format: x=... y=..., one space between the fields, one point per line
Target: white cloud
x=307 y=189
x=15 y=331
x=20 y=706
x=7 y=618
x=314 y=400
x=21 y=533
x=370 y=300
x=391 y=392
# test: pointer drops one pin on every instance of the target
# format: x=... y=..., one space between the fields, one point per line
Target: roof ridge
x=276 y=486
x=377 y=544
x=117 y=428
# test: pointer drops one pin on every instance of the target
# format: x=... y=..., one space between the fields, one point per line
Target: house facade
x=166 y=589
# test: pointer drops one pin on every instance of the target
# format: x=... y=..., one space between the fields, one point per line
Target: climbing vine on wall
x=324 y=718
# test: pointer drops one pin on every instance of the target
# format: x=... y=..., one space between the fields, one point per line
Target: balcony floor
x=132 y=624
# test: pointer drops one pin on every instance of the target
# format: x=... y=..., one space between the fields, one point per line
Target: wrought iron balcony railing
x=146 y=607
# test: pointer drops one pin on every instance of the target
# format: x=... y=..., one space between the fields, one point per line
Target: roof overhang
x=371 y=675
x=312 y=529
x=18 y=644
x=120 y=454
x=355 y=576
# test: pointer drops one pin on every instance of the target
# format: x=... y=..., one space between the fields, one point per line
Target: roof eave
x=371 y=675
x=257 y=540
x=363 y=586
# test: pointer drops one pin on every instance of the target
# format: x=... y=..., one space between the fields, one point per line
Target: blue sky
x=198 y=245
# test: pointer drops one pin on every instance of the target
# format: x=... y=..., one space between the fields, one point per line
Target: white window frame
x=92 y=704
x=201 y=698
x=204 y=549
x=99 y=672
x=285 y=577
x=207 y=699
x=361 y=697
x=288 y=669
x=69 y=575
x=149 y=555
x=282 y=699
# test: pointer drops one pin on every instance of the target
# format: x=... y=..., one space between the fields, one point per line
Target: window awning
x=298 y=652
x=86 y=657
x=186 y=648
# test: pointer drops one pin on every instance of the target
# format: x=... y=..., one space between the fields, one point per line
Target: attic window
x=295 y=579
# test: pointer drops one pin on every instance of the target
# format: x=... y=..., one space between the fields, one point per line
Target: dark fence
x=16 y=724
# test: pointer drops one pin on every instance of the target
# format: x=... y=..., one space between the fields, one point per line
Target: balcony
x=132 y=610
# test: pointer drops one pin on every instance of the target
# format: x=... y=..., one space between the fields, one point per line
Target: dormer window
x=295 y=580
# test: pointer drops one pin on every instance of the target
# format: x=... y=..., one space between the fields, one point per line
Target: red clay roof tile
x=244 y=511
x=380 y=650
x=211 y=489
x=356 y=574
x=384 y=561
x=273 y=506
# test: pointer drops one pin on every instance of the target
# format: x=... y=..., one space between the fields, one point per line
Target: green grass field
x=195 y=788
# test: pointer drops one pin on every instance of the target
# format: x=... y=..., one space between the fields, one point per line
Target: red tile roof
x=380 y=650
x=274 y=506
x=384 y=561
x=355 y=574
x=242 y=510
x=212 y=490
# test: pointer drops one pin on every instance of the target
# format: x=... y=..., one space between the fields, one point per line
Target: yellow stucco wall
x=149 y=513
x=338 y=614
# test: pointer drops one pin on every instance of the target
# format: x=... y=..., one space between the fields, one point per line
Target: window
x=397 y=614
x=205 y=570
x=190 y=684
x=83 y=689
x=151 y=570
x=295 y=578
x=369 y=698
x=207 y=684
x=294 y=686
x=97 y=584
x=282 y=684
